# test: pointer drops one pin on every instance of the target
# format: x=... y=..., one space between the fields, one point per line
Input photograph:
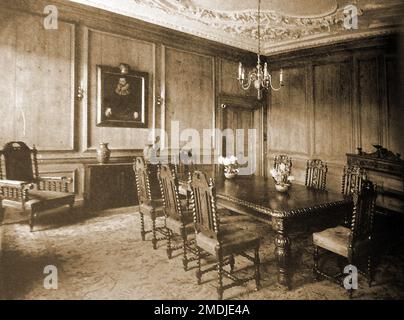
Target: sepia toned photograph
x=202 y=156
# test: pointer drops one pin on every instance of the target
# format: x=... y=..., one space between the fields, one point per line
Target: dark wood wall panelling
x=335 y=99
x=44 y=68
x=333 y=103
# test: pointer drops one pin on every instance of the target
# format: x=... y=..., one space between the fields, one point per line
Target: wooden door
x=240 y=123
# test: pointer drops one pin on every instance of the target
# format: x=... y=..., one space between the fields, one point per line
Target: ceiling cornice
x=280 y=32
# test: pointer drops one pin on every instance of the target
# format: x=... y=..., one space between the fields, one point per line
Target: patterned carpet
x=101 y=256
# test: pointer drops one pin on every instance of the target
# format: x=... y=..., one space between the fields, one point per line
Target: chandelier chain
x=259 y=76
x=259 y=27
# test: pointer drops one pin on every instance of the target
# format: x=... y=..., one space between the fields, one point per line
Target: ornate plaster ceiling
x=285 y=25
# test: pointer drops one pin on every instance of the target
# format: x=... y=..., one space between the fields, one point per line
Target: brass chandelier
x=259 y=76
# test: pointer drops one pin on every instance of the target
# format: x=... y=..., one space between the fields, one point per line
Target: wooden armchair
x=352 y=242
x=150 y=199
x=22 y=188
x=223 y=241
x=179 y=220
x=316 y=174
x=286 y=160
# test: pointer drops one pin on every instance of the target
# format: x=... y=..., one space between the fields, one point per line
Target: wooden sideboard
x=110 y=186
x=386 y=169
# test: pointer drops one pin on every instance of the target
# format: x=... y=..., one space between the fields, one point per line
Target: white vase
x=230 y=175
x=282 y=187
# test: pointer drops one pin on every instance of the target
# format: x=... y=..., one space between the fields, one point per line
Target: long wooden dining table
x=256 y=196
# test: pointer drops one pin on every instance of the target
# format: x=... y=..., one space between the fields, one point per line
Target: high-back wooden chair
x=150 y=199
x=22 y=188
x=223 y=241
x=286 y=160
x=316 y=174
x=352 y=177
x=179 y=221
x=351 y=242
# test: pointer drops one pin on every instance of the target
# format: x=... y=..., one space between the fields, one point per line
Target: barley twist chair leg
x=220 y=277
x=370 y=270
x=257 y=269
x=32 y=221
x=231 y=262
x=169 y=250
x=350 y=291
x=142 y=232
x=154 y=240
x=315 y=258
x=184 y=252
x=198 y=271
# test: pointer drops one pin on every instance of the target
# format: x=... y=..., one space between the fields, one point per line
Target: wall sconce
x=159 y=100
x=80 y=92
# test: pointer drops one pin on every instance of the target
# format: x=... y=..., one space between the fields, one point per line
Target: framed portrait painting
x=121 y=97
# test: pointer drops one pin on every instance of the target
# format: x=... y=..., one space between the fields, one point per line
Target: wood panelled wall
x=42 y=70
x=333 y=102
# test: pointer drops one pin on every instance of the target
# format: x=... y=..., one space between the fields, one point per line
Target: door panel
x=241 y=135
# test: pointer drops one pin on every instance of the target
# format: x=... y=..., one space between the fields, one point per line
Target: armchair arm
x=15 y=190
x=12 y=183
x=56 y=178
x=55 y=183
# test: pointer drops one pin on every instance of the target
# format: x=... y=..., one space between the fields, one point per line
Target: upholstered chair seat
x=187 y=223
x=153 y=210
x=233 y=240
x=337 y=240
x=39 y=200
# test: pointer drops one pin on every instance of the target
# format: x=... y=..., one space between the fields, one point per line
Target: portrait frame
x=122 y=97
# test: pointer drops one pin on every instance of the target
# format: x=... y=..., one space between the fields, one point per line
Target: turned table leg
x=282 y=252
x=1 y=213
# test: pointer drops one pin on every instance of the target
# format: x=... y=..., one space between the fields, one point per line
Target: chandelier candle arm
x=260 y=76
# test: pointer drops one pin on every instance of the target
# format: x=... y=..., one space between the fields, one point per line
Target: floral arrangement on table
x=230 y=166
x=282 y=177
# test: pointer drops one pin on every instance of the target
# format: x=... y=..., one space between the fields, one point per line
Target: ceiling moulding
x=275 y=26
x=242 y=25
x=329 y=40
x=238 y=28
